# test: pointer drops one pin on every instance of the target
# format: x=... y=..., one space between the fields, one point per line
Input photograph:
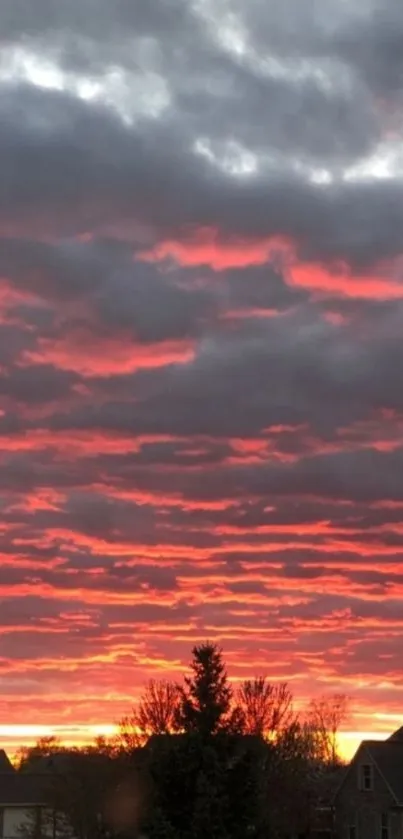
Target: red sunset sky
x=201 y=388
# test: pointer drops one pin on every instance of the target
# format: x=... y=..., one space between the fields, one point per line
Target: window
x=366 y=777
x=385 y=826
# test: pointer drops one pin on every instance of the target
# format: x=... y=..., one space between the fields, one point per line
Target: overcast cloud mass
x=201 y=313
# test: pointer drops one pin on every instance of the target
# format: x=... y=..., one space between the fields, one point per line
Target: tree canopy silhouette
x=266 y=708
x=205 y=699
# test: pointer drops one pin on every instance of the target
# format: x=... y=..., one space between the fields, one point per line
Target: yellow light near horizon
x=19 y=731
x=13 y=737
x=106 y=729
x=349 y=741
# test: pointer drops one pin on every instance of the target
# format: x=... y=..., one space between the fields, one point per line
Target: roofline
x=27 y=774
x=23 y=804
x=386 y=781
x=366 y=744
x=349 y=768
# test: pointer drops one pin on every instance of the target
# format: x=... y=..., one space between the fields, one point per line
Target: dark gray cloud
x=71 y=166
x=289 y=370
x=14 y=341
x=60 y=24
x=37 y=383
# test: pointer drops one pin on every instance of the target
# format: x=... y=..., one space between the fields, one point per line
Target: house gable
x=367 y=797
x=353 y=777
x=6 y=767
x=356 y=773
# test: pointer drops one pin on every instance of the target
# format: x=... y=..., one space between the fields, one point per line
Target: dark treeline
x=198 y=759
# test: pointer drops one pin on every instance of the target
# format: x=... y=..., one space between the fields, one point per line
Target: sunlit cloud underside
x=201 y=423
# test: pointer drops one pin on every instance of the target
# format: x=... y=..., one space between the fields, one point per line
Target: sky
x=201 y=391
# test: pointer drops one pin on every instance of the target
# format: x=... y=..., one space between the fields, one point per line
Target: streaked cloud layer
x=201 y=310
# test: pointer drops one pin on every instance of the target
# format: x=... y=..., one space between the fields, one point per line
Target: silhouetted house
x=369 y=801
x=22 y=804
x=5 y=763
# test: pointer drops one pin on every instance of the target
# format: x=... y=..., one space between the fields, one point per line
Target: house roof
x=5 y=763
x=18 y=788
x=45 y=764
x=388 y=757
x=329 y=783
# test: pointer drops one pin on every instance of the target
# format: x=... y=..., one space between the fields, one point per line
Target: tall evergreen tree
x=205 y=699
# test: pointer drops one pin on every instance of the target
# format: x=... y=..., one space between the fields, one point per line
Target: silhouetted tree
x=297 y=768
x=240 y=765
x=208 y=787
x=326 y=715
x=205 y=700
x=103 y=746
x=27 y=757
x=210 y=813
x=155 y=713
x=128 y=737
x=266 y=708
x=157 y=708
x=159 y=826
x=301 y=742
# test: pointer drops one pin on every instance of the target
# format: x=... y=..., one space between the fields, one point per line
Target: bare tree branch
x=266 y=707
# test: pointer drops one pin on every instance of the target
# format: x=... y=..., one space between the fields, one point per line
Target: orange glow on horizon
x=14 y=736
